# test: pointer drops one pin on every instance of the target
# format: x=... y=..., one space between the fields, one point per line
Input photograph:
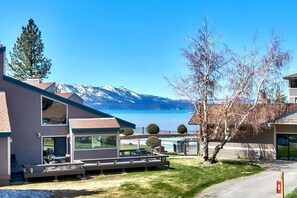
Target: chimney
x=2 y=60
x=33 y=81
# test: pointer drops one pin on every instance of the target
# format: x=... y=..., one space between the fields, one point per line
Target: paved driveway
x=259 y=185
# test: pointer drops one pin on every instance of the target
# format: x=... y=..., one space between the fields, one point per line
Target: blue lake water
x=167 y=120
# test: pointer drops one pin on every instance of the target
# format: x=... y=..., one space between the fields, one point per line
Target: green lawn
x=185 y=178
x=292 y=194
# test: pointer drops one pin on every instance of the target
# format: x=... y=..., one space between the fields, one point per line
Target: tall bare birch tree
x=251 y=74
x=205 y=61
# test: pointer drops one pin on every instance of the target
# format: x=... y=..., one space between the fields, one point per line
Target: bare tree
x=205 y=61
x=252 y=76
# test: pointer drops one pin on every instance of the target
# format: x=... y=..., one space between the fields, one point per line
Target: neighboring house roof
x=44 y=85
x=4 y=118
x=68 y=95
x=94 y=123
x=65 y=95
x=292 y=76
x=64 y=100
x=262 y=113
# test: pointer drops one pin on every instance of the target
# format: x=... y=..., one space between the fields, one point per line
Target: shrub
x=153 y=142
x=152 y=129
x=121 y=131
x=182 y=129
x=128 y=132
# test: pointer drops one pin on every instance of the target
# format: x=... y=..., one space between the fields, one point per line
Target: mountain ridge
x=108 y=97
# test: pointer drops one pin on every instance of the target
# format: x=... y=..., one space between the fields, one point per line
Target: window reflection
x=95 y=142
x=53 y=112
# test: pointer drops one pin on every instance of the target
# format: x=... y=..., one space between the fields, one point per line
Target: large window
x=95 y=142
x=53 y=112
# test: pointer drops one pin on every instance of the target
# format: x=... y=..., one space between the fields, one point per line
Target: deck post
x=101 y=172
x=56 y=178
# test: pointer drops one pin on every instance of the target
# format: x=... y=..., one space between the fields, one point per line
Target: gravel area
x=24 y=194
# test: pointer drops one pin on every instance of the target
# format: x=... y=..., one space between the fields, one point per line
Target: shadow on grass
x=239 y=162
x=127 y=170
x=76 y=193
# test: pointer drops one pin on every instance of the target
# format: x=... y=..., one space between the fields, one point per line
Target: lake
x=167 y=120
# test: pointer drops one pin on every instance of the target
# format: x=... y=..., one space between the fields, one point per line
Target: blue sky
x=136 y=43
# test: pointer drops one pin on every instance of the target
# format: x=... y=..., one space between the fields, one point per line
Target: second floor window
x=53 y=112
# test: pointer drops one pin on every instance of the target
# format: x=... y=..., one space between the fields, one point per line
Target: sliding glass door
x=53 y=147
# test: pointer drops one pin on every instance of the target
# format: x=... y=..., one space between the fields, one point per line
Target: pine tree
x=27 y=59
x=279 y=96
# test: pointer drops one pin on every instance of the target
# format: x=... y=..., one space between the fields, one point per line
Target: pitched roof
x=65 y=95
x=292 y=76
x=66 y=101
x=290 y=118
x=4 y=118
x=44 y=85
x=94 y=123
x=262 y=113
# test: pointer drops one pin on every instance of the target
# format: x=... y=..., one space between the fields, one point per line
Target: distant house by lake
x=277 y=138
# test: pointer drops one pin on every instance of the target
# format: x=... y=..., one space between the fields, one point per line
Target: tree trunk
x=217 y=149
x=205 y=149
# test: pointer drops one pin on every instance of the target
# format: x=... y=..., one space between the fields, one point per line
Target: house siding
x=249 y=146
x=292 y=92
x=51 y=88
x=4 y=176
x=289 y=129
x=24 y=106
x=91 y=154
x=292 y=99
x=76 y=98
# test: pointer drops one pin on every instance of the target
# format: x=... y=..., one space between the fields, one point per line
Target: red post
x=278 y=186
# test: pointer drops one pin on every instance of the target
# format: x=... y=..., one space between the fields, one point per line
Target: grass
x=292 y=194
x=185 y=178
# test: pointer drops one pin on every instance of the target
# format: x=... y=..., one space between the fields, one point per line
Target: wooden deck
x=54 y=170
x=81 y=167
x=126 y=162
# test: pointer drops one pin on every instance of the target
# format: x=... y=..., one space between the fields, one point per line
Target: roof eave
x=95 y=130
x=5 y=134
x=122 y=123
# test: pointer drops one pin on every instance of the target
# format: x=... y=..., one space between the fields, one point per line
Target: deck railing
x=57 y=169
x=80 y=167
x=126 y=162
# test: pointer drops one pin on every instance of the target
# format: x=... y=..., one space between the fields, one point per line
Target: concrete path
x=259 y=185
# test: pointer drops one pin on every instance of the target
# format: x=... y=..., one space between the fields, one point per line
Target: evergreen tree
x=279 y=96
x=27 y=59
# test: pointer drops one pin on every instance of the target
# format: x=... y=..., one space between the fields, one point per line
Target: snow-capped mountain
x=117 y=98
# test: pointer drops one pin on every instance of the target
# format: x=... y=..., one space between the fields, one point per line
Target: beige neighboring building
x=277 y=138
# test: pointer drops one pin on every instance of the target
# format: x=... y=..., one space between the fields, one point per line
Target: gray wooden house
x=36 y=124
